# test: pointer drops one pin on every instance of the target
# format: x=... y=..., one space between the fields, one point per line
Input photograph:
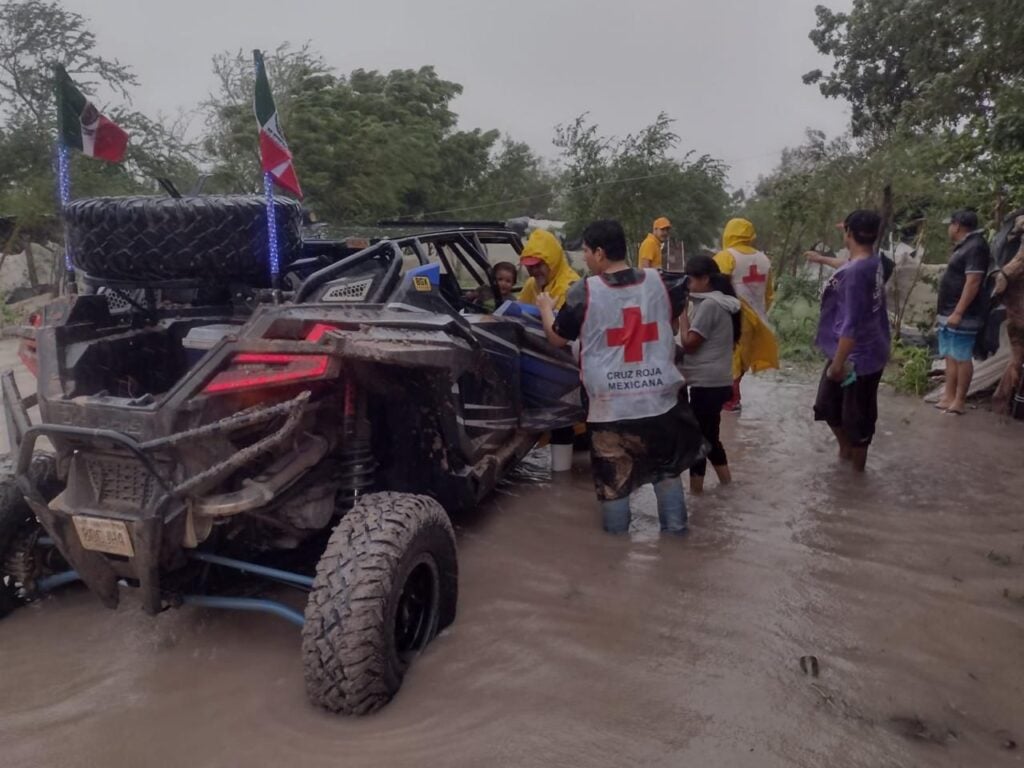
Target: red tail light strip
x=289 y=368
x=319 y=330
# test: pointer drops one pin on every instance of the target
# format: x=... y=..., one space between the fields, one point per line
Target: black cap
x=863 y=225
x=964 y=217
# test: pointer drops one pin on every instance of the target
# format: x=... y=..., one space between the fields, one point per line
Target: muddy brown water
x=573 y=648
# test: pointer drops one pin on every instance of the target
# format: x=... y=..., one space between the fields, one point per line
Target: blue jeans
x=671 y=509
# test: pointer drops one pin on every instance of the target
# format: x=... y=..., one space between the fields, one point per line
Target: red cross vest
x=750 y=279
x=627 y=350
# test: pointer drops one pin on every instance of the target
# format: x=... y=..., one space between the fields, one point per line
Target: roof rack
x=441 y=224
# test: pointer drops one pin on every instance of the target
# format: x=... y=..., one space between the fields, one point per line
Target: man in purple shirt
x=853 y=333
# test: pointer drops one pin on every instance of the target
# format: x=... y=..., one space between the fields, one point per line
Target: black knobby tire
x=158 y=239
x=386 y=584
x=16 y=517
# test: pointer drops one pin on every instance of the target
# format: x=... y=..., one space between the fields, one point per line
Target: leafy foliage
x=34 y=36
x=946 y=71
x=367 y=145
x=794 y=315
x=909 y=369
x=636 y=178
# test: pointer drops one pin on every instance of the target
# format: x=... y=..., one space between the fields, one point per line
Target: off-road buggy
x=202 y=420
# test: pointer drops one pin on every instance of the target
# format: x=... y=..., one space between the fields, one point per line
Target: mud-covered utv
x=198 y=420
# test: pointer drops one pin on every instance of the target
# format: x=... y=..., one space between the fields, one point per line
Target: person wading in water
x=641 y=430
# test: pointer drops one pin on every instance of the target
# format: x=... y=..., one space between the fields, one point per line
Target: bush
x=909 y=368
x=795 y=317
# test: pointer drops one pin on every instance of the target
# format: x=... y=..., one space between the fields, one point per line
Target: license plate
x=99 y=535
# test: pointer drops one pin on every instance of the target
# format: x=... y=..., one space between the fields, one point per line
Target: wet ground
x=573 y=648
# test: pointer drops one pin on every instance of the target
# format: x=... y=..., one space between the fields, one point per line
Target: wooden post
x=33 y=278
x=887 y=214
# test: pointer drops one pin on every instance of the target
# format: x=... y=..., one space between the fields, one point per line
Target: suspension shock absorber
x=356 y=463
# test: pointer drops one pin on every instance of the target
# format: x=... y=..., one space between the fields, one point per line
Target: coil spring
x=356 y=467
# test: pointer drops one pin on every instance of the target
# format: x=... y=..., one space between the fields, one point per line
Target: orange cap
x=662 y=223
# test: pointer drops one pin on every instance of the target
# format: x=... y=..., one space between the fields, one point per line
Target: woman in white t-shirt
x=708 y=336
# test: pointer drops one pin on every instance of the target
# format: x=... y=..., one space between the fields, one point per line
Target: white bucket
x=561 y=458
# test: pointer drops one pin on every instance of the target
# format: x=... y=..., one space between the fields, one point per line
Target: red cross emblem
x=633 y=334
x=753 y=276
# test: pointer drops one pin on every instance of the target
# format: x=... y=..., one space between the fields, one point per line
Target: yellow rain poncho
x=545 y=246
x=758 y=349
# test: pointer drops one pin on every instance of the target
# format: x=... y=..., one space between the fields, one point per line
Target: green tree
x=933 y=62
x=516 y=182
x=34 y=37
x=366 y=145
x=817 y=183
x=636 y=178
x=230 y=141
x=946 y=70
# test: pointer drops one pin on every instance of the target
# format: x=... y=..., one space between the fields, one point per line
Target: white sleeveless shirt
x=627 y=350
x=750 y=279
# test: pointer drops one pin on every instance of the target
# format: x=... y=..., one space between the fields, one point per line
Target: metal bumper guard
x=147 y=523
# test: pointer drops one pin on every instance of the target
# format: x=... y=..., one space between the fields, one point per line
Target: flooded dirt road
x=573 y=648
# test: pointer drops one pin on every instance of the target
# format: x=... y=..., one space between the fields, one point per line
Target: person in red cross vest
x=750 y=270
x=641 y=430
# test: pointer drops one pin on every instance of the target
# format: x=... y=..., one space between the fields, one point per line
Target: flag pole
x=268 y=193
x=63 y=178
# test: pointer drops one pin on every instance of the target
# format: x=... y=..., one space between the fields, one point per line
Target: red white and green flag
x=82 y=127
x=275 y=156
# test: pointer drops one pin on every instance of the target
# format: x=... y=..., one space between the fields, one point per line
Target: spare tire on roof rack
x=159 y=239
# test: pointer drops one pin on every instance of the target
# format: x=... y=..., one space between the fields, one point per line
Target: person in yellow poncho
x=550 y=273
x=548 y=267
x=750 y=270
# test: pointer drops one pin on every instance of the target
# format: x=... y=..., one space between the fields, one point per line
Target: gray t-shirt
x=711 y=364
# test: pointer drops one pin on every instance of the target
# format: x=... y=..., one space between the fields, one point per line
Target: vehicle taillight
x=319 y=330
x=253 y=370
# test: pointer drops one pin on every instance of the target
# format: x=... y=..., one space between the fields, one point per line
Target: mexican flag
x=82 y=127
x=275 y=156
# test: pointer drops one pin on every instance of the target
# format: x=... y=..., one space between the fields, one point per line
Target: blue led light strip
x=275 y=260
x=64 y=192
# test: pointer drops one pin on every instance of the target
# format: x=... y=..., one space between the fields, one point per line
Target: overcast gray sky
x=727 y=70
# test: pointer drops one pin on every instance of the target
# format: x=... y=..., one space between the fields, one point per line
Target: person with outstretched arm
x=641 y=430
x=853 y=333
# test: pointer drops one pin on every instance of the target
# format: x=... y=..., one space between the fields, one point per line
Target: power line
x=626 y=180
